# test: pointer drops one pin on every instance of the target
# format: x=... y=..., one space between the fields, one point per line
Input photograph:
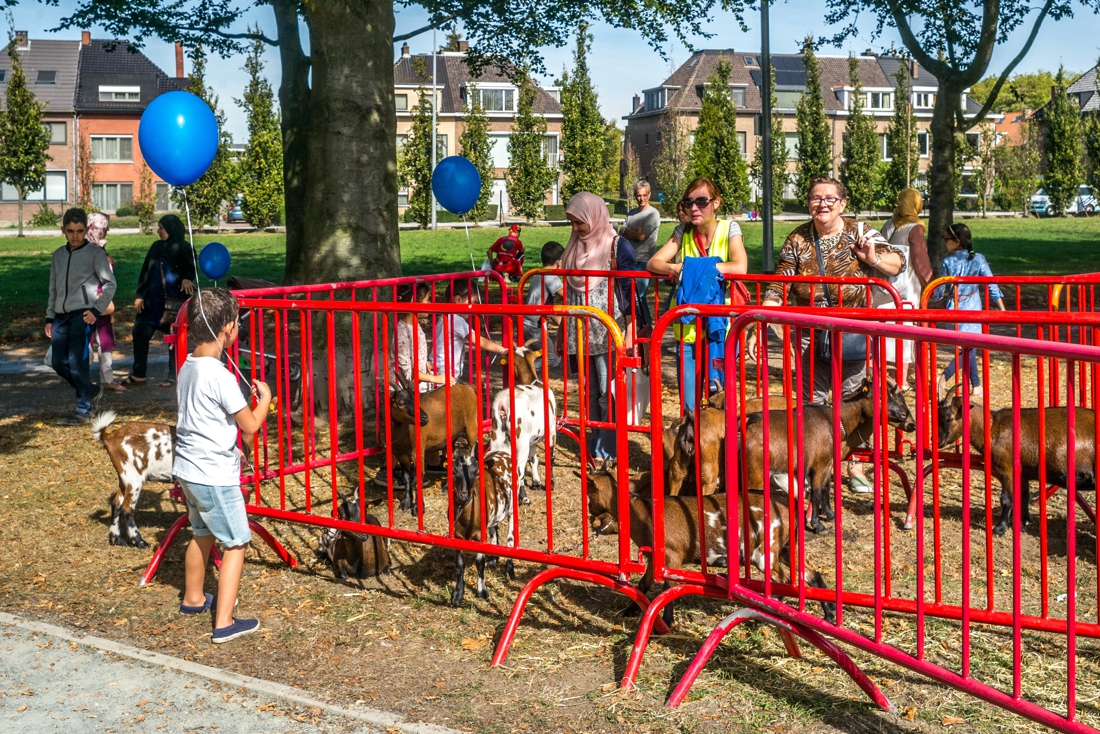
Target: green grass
x=1012 y=246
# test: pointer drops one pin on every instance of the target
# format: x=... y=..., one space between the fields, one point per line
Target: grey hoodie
x=75 y=278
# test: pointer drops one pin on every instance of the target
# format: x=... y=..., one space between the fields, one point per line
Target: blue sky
x=622 y=64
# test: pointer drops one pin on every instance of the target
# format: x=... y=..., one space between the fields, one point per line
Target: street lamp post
x=766 y=132
x=435 y=136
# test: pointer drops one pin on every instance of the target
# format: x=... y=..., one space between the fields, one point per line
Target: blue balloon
x=178 y=137
x=456 y=184
x=214 y=260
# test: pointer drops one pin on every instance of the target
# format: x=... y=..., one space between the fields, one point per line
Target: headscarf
x=97 y=229
x=177 y=233
x=593 y=251
x=910 y=204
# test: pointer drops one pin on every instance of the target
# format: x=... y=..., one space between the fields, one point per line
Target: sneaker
x=210 y=603
x=239 y=628
x=74 y=419
x=860 y=484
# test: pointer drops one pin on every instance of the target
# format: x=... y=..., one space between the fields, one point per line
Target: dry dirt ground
x=397 y=644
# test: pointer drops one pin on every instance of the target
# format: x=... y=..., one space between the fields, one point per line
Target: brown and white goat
x=536 y=409
x=140 y=452
x=433 y=428
x=1002 y=437
x=682 y=531
x=351 y=554
x=467 y=506
x=856 y=427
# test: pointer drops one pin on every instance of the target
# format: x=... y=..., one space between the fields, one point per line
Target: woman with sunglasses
x=703 y=235
x=963 y=261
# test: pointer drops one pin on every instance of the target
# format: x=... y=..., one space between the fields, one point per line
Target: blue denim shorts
x=217 y=511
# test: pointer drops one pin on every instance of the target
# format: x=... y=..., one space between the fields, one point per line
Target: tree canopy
x=815 y=139
x=23 y=139
x=716 y=152
x=582 y=125
x=1025 y=91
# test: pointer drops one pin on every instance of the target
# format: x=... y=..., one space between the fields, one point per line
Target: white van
x=1084 y=202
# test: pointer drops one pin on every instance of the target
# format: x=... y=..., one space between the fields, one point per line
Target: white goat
x=531 y=419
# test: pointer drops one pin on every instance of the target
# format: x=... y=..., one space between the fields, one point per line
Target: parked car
x=1084 y=203
x=235 y=213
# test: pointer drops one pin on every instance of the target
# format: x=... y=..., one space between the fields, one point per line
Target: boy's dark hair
x=405 y=293
x=75 y=214
x=462 y=290
x=552 y=252
x=218 y=308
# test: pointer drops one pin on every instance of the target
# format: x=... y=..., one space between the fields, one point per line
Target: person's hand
x=187 y=286
x=110 y=309
x=111 y=262
x=864 y=249
x=139 y=305
x=262 y=390
x=89 y=317
x=49 y=331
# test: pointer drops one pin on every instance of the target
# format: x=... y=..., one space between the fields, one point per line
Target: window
x=885 y=147
x=46 y=77
x=3 y=75
x=498 y=100
x=110 y=196
x=401 y=140
x=647 y=139
x=440 y=147
x=923 y=144
x=737 y=95
x=973 y=140
x=742 y=143
x=924 y=100
x=164 y=197
x=57 y=132
x=499 y=152
x=550 y=150
x=787 y=100
x=654 y=100
x=750 y=61
x=56 y=189
x=112 y=150
x=792 y=146
x=401 y=102
x=119 y=94
x=402 y=197
x=879 y=101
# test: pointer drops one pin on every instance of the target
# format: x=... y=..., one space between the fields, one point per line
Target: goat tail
x=100 y=423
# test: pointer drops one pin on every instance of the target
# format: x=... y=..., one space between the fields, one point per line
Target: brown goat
x=682 y=531
x=856 y=427
x=433 y=428
x=498 y=506
x=355 y=555
x=1002 y=437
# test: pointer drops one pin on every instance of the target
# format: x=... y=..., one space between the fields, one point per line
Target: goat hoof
x=816 y=527
x=116 y=540
x=999 y=530
x=828 y=515
x=493 y=562
x=510 y=570
x=139 y=542
x=456 y=599
x=829 y=612
x=482 y=593
x=667 y=615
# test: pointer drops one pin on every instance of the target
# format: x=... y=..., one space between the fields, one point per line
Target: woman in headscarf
x=906 y=232
x=103 y=338
x=167 y=278
x=592 y=246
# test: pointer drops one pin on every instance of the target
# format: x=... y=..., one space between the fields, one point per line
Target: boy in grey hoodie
x=76 y=273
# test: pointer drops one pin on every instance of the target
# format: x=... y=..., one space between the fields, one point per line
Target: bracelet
x=876 y=262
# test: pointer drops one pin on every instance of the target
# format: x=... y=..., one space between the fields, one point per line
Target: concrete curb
x=374 y=717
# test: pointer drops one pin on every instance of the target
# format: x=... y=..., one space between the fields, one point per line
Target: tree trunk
x=347 y=222
x=20 y=213
x=942 y=172
x=294 y=97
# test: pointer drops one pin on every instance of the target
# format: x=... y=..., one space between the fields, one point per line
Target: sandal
x=131 y=381
x=113 y=387
x=167 y=383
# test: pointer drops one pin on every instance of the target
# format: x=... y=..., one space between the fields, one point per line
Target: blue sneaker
x=239 y=628
x=210 y=603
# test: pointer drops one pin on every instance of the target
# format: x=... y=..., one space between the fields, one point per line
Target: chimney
x=21 y=39
x=179 y=60
x=463 y=46
x=637 y=101
x=405 y=50
x=869 y=52
x=914 y=69
x=85 y=38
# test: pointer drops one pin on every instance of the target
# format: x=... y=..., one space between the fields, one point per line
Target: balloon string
x=470 y=249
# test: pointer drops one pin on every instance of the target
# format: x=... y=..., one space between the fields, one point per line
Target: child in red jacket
x=506 y=255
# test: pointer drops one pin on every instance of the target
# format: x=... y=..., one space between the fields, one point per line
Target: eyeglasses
x=700 y=201
x=826 y=200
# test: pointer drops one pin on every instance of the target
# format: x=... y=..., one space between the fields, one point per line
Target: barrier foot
x=910 y=496
x=158 y=554
x=791 y=629
x=555 y=573
x=273 y=544
x=646 y=628
x=1089 y=512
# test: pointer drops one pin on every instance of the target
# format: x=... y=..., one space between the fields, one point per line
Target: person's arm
x=874 y=252
x=661 y=262
x=994 y=290
x=918 y=255
x=143 y=281
x=738 y=264
x=488 y=345
x=251 y=420
x=49 y=304
x=106 y=279
x=787 y=265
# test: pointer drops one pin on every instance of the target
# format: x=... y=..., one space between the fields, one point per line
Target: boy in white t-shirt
x=460 y=334
x=207 y=463
x=545 y=289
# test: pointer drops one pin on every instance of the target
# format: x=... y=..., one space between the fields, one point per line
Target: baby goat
x=531 y=419
x=498 y=510
x=1001 y=438
x=140 y=452
x=351 y=554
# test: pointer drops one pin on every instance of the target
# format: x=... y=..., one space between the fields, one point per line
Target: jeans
x=949 y=372
x=600 y=406
x=69 y=340
x=686 y=369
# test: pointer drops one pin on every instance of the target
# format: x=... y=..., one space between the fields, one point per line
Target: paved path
x=52 y=680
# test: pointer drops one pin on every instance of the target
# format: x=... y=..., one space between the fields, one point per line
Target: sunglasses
x=700 y=201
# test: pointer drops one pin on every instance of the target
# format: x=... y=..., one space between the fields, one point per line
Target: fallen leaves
x=910 y=714
x=21 y=709
x=473 y=643
x=952 y=720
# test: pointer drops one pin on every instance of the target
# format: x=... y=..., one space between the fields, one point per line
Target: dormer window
x=119 y=94
x=750 y=61
x=655 y=100
x=46 y=77
x=879 y=101
x=3 y=75
x=737 y=96
x=924 y=100
x=498 y=100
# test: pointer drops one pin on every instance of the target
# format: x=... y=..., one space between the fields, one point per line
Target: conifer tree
x=415 y=167
x=24 y=142
x=529 y=174
x=901 y=138
x=583 y=130
x=716 y=152
x=780 y=175
x=205 y=196
x=857 y=171
x=478 y=149
x=261 y=166
x=670 y=164
x=815 y=140
x=1063 y=147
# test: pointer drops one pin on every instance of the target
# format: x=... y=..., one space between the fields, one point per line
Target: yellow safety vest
x=719 y=248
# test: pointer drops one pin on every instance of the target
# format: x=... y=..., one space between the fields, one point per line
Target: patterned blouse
x=799 y=258
x=969 y=295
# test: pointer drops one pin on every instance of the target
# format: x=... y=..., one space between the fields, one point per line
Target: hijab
x=97 y=229
x=592 y=251
x=910 y=204
x=175 y=229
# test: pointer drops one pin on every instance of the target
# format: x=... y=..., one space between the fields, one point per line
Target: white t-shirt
x=534 y=298
x=460 y=332
x=206 y=433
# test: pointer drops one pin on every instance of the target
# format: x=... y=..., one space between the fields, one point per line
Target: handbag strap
x=821 y=267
